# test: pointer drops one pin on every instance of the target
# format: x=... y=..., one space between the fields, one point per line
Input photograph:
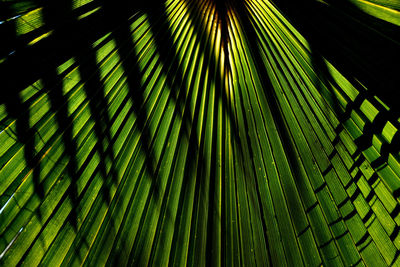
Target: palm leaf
x=206 y=132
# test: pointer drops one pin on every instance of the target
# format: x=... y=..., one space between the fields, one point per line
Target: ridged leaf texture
x=199 y=132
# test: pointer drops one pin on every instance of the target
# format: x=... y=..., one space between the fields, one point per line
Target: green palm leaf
x=199 y=133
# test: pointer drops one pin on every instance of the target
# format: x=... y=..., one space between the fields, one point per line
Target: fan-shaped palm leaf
x=187 y=132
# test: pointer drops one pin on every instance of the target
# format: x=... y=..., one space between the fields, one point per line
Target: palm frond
x=213 y=133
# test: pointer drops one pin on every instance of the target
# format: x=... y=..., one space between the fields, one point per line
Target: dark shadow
x=360 y=46
x=59 y=106
x=121 y=12
x=53 y=84
x=26 y=64
x=15 y=107
x=363 y=48
x=77 y=36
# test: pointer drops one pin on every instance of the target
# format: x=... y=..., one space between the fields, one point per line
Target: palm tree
x=199 y=132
